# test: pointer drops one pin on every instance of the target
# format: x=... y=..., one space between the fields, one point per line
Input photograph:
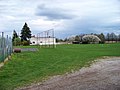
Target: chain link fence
x=5 y=46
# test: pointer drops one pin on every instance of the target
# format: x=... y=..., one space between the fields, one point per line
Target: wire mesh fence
x=5 y=46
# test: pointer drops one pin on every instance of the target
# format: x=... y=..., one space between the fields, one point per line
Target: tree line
x=112 y=37
x=108 y=38
x=24 y=38
x=25 y=35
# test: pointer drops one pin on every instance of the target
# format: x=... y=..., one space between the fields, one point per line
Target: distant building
x=42 y=40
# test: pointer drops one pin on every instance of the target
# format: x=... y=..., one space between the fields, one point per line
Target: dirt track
x=102 y=75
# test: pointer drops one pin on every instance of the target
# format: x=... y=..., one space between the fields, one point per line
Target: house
x=42 y=40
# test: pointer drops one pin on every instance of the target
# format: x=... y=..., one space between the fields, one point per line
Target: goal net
x=46 y=39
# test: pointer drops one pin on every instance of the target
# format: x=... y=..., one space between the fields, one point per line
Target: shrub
x=90 y=39
x=26 y=43
x=17 y=42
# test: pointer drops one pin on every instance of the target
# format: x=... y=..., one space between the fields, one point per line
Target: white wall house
x=42 y=40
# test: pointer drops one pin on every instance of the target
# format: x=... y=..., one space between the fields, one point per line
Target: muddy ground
x=102 y=75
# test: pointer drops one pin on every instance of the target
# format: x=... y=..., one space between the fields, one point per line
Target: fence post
x=11 y=47
x=2 y=45
x=7 y=47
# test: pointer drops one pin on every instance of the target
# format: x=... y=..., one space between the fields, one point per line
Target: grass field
x=32 y=67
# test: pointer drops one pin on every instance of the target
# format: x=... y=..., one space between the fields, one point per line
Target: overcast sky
x=67 y=17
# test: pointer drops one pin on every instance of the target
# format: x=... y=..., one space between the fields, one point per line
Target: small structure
x=42 y=40
x=17 y=50
x=75 y=42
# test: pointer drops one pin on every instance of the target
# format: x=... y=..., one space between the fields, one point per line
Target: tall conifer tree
x=25 y=33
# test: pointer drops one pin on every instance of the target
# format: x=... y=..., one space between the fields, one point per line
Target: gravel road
x=102 y=75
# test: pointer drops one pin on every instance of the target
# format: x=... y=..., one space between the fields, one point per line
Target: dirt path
x=102 y=75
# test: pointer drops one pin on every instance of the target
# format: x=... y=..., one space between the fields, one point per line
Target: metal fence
x=5 y=46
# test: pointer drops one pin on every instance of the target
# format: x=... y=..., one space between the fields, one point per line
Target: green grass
x=32 y=67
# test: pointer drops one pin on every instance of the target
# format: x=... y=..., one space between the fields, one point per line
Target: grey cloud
x=90 y=25
x=78 y=16
x=53 y=13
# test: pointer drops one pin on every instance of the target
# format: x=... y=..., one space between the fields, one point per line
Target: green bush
x=17 y=42
x=26 y=43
